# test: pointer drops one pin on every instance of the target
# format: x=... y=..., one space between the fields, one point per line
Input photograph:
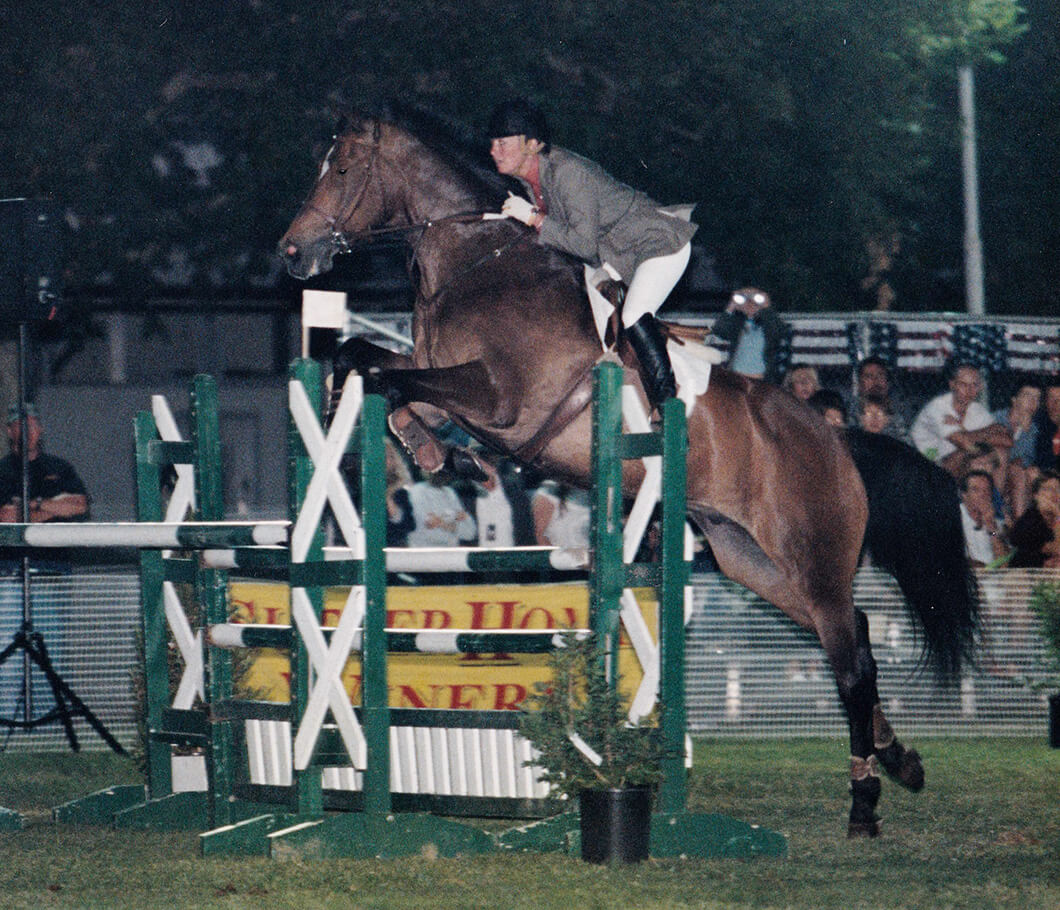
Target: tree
x=181 y=139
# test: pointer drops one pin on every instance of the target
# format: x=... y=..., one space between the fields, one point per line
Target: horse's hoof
x=418 y=441
x=911 y=772
x=903 y=765
x=463 y=464
x=864 y=829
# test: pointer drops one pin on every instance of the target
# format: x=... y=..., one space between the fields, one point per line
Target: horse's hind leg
x=847 y=646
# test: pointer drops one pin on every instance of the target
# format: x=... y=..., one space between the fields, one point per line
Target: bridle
x=349 y=202
x=347 y=208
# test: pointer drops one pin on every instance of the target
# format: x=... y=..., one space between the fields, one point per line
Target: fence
x=749 y=672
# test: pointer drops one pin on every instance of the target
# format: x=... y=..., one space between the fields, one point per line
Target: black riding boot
x=650 y=347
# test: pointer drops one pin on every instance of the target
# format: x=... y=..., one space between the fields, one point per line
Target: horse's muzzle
x=304 y=262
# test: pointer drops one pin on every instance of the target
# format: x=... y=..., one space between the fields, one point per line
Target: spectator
x=989 y=462
x=874 y=379
x=502 y=508
x=399 y=519
x=875 y=414
x=56 y=492
x=830 y=405
x=1034 y=534
x=755 y=333
x=1048 y=423
x=983 y=537
x=1019 y=419
x=440 y=518
x=951 y=426
x=561 y=515
x=802 y=381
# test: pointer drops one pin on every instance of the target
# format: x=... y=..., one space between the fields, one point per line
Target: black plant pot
x=1054 y=721
x=615 y=825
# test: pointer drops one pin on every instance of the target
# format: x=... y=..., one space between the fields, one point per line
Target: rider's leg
x=651 y=285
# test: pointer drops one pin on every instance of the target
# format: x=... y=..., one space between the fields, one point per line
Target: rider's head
x=518 y=117
x=518 y=132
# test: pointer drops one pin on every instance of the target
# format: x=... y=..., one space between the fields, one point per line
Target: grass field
x=984 y=833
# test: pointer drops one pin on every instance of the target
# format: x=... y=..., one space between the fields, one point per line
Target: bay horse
x=503 y=344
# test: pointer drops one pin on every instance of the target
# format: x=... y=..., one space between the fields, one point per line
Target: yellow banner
x=469 y=681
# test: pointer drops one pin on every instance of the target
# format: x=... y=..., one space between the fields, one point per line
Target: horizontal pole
x=477 y=559
x=402 y=641
x=148 y=535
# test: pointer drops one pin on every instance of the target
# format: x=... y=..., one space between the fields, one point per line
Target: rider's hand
x=518 y=208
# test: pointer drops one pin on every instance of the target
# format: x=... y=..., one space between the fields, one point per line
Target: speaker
x=30 y=271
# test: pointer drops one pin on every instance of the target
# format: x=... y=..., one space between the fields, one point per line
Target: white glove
x=518 y=208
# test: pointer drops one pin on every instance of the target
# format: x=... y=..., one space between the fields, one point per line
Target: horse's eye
x=342 y=171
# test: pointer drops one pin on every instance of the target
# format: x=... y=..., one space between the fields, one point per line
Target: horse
x=504 y=343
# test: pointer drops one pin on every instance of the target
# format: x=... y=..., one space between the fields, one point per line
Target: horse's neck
x=450 y=251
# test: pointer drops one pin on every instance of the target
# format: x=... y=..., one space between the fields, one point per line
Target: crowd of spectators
x=1005 y=462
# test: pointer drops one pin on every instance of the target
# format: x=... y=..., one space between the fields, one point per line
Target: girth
x=576 y=400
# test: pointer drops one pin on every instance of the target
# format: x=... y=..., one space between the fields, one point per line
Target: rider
x=582 y=210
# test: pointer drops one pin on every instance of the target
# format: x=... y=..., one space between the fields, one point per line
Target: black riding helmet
x=518 y=117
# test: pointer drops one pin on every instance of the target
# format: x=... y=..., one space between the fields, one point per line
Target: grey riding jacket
x=599 y=219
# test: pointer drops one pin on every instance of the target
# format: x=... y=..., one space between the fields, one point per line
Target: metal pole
x=973 y=249
x=27 y=594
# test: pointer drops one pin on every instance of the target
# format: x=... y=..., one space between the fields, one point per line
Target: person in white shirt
x=983 y=536
x=561 y=515
x=441 y=520
x=954 y=428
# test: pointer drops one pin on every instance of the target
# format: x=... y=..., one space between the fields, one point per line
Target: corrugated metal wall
x=750 y=671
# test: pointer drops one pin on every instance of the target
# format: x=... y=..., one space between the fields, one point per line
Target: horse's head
x=347 y=199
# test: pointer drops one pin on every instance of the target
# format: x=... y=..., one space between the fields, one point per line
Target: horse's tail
x=914 y=532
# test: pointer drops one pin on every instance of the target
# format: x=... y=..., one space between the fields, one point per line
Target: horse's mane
x=464 y=149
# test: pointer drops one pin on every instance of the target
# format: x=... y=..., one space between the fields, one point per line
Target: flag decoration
x=980 y=344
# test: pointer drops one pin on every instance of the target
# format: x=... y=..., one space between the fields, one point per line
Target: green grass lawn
x=984 y=833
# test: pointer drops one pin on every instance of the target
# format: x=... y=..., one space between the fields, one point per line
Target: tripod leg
x=63 y=694
x=38 y=653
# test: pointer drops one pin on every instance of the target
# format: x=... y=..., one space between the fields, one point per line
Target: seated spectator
x=1019 y=419
x=802 y=381
x=502 y=508
x=830 y=406
x=1033 y=536
x=983 y=535
x=988 y=461
x=56 y=492
x=399 y=518
x=561 y=515
x=1047 y=448
x=755 y=334
x=874 y=379
x=949 y=427
x=441 y=520
x=875 y=414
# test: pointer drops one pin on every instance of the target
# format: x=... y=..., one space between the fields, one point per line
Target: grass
x=984 y=833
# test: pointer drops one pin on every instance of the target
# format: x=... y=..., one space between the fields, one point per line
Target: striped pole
x=403 y=641
x=148 y=535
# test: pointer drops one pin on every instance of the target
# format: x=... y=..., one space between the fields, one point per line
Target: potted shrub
x=1045 y=604
x=590 y=751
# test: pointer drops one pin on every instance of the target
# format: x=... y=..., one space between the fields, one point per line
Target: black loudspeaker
x=30 y=271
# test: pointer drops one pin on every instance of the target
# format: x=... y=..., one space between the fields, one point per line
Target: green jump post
x=308 y=785
x=375 y=699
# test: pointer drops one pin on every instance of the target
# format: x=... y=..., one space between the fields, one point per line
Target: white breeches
x=652 y=282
